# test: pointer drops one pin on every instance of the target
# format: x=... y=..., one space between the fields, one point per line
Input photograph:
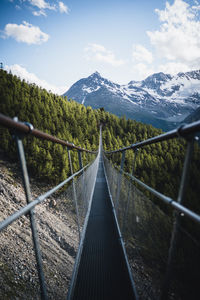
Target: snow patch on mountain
x=161 y=95
x=83 y=101
x=185 y=86
x=90 y=89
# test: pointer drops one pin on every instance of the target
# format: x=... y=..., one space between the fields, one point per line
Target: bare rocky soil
x=57 y=234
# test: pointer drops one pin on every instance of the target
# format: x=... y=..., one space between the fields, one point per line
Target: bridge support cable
x=137 y=231
x=137 y=215
x=24 y=210
x=167 y=200
x=24 y=128
x=101 y=270
x=35 y=238
x=88 y=188
x=129 y=193
x=85 y=178
x=120 y=179
x=74 y=194
x=84 y=199
x=177 y=222
x=125 y=257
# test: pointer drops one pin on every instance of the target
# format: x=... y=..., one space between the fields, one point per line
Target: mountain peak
x=96 y=74
x=157 y=99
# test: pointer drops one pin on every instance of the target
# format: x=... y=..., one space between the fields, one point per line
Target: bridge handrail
x=20 y=130
x=26 y=129
x=169 y=201
x=25 y=209
x=184 y=210
x=188 y=132
x=182 y=131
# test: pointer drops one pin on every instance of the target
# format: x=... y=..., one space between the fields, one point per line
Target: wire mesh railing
x=163 y=249
x=76 y=201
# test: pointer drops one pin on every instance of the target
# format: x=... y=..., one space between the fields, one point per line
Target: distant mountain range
x=161 y=99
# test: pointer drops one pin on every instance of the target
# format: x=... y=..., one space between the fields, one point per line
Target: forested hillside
x=52 y=114
x=159 y=165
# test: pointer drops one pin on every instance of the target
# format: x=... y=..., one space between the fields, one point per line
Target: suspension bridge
x=111 y=215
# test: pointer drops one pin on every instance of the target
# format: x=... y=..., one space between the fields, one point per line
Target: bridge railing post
x=74 y=194
x=120 y=180
x=83 y=183
x=128 y=193
x=175 y=231
x=113 y=182
x=80 y=160
x=25 y=177
x=87 y=157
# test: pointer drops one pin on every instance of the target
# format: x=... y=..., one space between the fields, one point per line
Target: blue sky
x=55 y=43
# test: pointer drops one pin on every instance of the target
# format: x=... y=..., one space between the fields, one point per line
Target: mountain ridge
x=161 y=99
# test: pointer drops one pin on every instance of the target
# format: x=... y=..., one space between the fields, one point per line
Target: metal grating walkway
x=102 y=272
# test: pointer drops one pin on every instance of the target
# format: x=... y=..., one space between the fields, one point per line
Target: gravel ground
x=58 y=237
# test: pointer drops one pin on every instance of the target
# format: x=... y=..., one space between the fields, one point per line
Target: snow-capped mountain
x=161 y=99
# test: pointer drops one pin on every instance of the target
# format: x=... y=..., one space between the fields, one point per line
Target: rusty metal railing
x=19 y=131
x=188 y=132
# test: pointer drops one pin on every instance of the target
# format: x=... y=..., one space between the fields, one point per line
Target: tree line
x=159 y=165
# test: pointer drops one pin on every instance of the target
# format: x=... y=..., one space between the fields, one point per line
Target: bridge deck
x=102 y=272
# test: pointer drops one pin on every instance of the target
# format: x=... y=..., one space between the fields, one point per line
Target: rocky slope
x=58 y=240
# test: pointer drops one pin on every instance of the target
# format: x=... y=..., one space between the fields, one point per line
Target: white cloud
x=17 y=7
x=32 y=78
x=141 y=71
x=173 y=68
x=178 y=39
x=26 y=33
x=141 y=54
x=95 y=48
x=39 y=13
x=42 y=4
x=99 y=53
x=63 y=8
x=39 y=3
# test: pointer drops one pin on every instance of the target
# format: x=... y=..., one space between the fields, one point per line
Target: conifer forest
x=159 y=165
